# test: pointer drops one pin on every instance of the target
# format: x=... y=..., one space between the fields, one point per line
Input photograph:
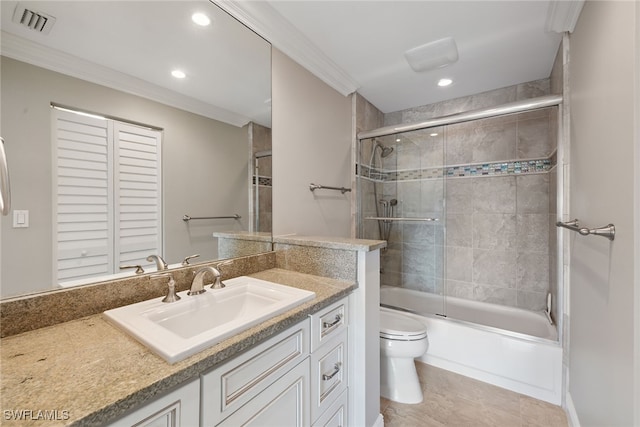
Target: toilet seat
x=395 y=326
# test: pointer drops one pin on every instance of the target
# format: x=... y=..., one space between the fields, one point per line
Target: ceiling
x=499 y=43
x=134 y=45
x=351 y=45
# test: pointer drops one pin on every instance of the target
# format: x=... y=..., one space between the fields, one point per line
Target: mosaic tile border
x=513 y=167
x=265 y=181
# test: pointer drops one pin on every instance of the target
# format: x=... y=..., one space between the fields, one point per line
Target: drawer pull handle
x=336 y=369
x=327 y=325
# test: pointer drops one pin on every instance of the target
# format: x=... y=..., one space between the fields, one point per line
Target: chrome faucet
x=160 y=264
x=197 y=286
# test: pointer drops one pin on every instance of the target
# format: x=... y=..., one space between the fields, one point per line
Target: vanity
x=295 y=378
x=303 y=367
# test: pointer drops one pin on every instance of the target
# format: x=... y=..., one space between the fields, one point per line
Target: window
x=108 y=203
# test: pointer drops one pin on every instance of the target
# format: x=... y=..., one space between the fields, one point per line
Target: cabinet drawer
x=178 y=408
x=335 y=415
x=284 y=403
x=328 y=373
x=234 y=383
x=328 y=323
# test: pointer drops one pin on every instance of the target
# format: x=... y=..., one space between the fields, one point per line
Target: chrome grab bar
x=384 y=218
x=313 y=187
x=186 y=217
x=5 y=189
x=608 y=231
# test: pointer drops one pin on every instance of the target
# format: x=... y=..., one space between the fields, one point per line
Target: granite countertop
x=343 y=243
x=259 y=236
x=87 y=372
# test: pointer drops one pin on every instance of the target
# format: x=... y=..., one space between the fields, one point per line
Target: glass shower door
x=401 y=200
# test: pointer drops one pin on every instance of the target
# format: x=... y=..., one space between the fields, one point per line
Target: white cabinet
x=245 y=382
x=329 y=361
x=335 y=415
x=284 y=404
x=299 y=377
x=178 y=408
x=296 y=378
x=328 y=323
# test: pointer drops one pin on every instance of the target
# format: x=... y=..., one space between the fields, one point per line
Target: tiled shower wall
x=499 y=227
x=260 y=137
x=497 y=245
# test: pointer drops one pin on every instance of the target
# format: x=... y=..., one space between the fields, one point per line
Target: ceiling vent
x=36 y=21
x=437 y=54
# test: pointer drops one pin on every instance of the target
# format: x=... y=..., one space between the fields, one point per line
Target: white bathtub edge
x=552 y=397
x=530 y=368
x=379 y=421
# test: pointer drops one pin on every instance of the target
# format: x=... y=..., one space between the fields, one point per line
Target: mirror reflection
x=109 y=187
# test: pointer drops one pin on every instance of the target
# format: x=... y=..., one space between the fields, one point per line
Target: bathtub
x=508 y=347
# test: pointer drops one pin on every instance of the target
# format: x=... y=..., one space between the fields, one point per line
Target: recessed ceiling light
x=433 y=134
x=444 y=82
x=178 y=74
x=398 y=140
x=201 y=19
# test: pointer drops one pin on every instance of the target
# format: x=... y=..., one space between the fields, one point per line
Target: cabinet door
x=234 y=383
x=329 y=373
x=335 y=415
x=284 y=403
x=178 y=408
x=329 y=322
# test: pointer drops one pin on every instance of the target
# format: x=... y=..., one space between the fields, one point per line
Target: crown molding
x=264 y=20
x=36 y=54
x=563 y=15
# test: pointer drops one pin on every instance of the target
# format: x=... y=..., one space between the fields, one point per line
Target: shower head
x=385 y=151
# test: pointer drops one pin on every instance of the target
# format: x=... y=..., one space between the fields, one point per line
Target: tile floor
x=454 y=400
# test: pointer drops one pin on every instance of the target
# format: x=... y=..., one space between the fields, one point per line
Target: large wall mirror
x=112 y=61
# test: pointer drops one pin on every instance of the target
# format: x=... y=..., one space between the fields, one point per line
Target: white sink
x=180 y=329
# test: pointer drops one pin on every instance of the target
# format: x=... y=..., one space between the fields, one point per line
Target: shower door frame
x=510 y=108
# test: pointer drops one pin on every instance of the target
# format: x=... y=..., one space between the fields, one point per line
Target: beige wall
x=204 y=169
x=311 y=143
x=603 y=70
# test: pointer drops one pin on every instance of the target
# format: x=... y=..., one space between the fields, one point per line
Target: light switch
x=20 y=219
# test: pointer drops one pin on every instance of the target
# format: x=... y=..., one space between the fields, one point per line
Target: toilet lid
x=397 y=325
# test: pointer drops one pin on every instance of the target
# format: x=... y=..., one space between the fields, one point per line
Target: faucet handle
x=139 y=269
x=171 y=293
x=218 y=284
x=186 y=260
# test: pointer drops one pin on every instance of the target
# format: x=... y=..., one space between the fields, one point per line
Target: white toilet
x=402 y=339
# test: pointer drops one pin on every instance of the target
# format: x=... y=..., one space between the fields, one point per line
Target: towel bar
x=608 y=231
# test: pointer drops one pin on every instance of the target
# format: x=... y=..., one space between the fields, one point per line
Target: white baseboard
x=379 y=422
x=572 y=415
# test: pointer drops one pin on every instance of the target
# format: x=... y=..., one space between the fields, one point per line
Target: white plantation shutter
x=138 y=194
x=108 y=195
